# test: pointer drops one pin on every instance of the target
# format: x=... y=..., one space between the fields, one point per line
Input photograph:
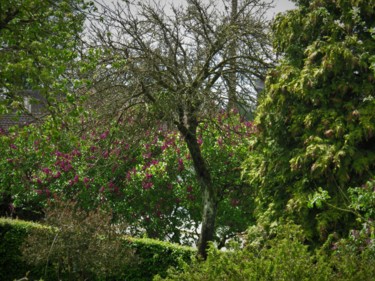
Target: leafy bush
x=155 y=257
x=150 y=183
x=280 y=254
x=284 y=257
x=316 y=118
x=80 y=245
x=152 y=256
x=12 y=235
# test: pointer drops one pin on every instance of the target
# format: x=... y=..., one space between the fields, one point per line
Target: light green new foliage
x=317 y=116
x=283 y=257
x=39 y=42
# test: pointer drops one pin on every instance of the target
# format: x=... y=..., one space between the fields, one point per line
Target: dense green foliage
x=39 y=42
x=80 y=244
x=155 y=258
x=150 y=184
x=152 y=257
x=12 y=235
x=307 y=192
x=316 y=119
x=280 y=254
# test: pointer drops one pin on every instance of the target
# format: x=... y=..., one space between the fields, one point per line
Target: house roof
x=13 y=119
x=22 y=119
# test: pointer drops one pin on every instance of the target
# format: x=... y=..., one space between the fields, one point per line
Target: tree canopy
x=39 y=42
x=176 y=67
x=316 y=119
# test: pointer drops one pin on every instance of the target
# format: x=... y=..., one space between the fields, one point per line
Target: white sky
x=281 y=6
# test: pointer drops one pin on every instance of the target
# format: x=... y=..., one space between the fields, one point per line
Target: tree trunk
x=209 y=198
x=208 y=221
x=232 y=79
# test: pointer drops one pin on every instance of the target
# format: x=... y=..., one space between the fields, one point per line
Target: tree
x=232 y=79
x=39 y=42
x=150 y=184
x=38 y=49
x=174 y=67
x=317 y=117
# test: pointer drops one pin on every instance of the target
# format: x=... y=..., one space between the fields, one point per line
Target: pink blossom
x=104 y=135
x=128 y=175
x=86 y=180
x=158 y=213
x=76 y=152
x=13 y=146
x=147 y=185
x=235 y=202
x=64 y=165
x=248 y=124
x=147 y=155
x=47 y=171
x=114 y=168
x=180 y=165
x=191 y=197
x=67 y=167
x=235 y=110
x=11 y=207
x=220 y=141
x=101 y=190
x=75 y=180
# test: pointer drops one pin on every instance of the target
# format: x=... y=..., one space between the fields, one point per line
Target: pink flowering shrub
x=151 y=183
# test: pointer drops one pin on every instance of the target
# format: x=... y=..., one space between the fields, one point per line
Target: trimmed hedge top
x=155 y=257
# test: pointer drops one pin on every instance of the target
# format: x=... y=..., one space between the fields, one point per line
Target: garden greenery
x=150 y=184
x=17 y=239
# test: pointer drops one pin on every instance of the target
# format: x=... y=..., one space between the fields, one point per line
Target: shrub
x=153 y=257
x=280 y=254
x=80 y=245
x=284 y=257
x=12 y=235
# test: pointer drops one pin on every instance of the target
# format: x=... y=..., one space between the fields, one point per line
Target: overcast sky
x=281 y=6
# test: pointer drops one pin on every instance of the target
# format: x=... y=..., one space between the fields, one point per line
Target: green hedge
x=155 y=257
x=12 y=234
